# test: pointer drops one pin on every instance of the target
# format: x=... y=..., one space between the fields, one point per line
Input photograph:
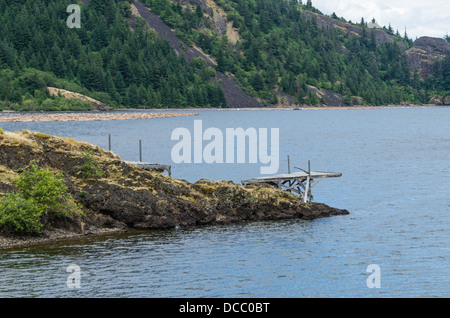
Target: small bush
x=89 y=168
x=19 y=215
x=42 y=197
x=47 y=189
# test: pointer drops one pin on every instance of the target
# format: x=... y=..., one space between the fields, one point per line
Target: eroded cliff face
x=425 y=52
x=127 y=197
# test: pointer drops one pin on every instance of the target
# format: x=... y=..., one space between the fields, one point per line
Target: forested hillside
x=104 y=59
x=282 y=48
x=272 y=48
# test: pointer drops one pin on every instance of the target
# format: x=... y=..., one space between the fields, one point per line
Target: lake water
x=395 y=184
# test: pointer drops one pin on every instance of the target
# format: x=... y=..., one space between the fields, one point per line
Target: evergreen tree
x=279 y=45
x=390 y=30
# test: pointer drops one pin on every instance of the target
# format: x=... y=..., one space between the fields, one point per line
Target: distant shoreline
x=327 y=107
x=126 y=114
x=291 y=108
x=83 y=116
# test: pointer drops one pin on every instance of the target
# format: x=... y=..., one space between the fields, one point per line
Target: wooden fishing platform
x=296 y=182
x=152 y=166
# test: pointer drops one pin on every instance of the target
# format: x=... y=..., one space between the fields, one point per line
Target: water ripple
x=398 y=219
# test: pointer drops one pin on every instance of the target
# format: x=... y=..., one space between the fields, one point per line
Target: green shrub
x=89 y=167
x=19 y=215
x=47 y=189
x=347 y=100
x=42 y=197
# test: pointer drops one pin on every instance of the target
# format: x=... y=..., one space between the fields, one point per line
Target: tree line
x=281 y=48
x=104 y=59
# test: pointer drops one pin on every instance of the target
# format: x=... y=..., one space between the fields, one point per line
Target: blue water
x=395 y=184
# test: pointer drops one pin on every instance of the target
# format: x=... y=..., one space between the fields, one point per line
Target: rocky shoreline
x=52 y=236
x=127 y=198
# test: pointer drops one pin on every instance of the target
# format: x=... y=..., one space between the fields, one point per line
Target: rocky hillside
x=349 y=30
x=288 y=53
x=209 y=53
x=124 y=197
x=425 y=52
x=234 y=95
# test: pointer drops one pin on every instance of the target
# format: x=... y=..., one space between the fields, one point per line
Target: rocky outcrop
x=127 y=197
x=96 y=105
x=446 y=100
x=218 y=20
x=328 y=97
x=425 y=52
x=349 y=30
x=324 y=96
x=440 y=100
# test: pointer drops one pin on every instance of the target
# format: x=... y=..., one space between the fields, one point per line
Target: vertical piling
x=140 y=150
x=109 y=142
x=289 y=165
x=308 y=180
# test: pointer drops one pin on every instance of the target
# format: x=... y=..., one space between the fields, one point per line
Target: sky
x=421 y=18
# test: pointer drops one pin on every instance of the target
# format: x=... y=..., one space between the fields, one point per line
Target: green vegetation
x=105 y=59
x=89 y=167
x=41 y=197
x=279 y=48
x=19 y=215
x=25 y=89
x=439 y=81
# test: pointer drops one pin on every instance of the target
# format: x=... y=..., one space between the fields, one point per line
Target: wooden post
x=306 y=195
x=109 y=142
x=289 y=165
x=140 y=150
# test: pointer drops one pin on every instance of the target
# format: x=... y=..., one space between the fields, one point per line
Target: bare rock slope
x=425 y=52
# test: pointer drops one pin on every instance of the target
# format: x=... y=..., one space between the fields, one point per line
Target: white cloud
x=421 y=18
